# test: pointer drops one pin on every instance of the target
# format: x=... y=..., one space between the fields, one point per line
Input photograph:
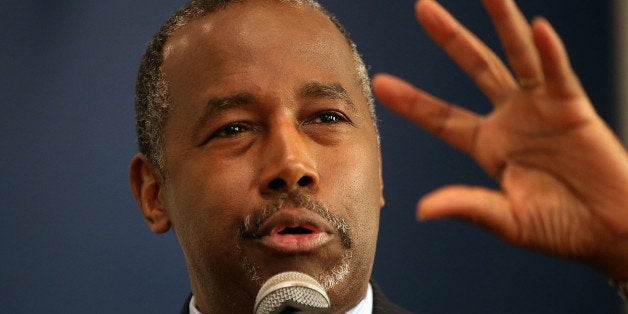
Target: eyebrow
x=223 y=103
x=327 y=90
x=218 y=104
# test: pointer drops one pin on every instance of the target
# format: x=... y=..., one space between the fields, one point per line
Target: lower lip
x=295 y=243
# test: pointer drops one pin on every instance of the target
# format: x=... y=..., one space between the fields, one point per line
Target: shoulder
x=381 y=304
x=186 y=306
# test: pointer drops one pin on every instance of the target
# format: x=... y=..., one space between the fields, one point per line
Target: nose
x=287 y=162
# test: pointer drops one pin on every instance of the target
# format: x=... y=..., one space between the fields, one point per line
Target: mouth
x=294 y=232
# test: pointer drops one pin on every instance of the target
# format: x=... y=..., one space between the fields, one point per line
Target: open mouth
x=295 y=238
x=295 y=230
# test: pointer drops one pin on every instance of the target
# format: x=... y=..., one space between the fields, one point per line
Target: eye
x=230 y=130
x=329 y=117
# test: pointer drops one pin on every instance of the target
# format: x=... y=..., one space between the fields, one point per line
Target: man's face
x=272 y=160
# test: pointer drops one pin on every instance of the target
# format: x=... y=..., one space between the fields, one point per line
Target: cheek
x=358 y=182
x=205 y=188
x=357 y=178
x=204 y=212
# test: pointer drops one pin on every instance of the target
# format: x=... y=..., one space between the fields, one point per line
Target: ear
x=146 y=184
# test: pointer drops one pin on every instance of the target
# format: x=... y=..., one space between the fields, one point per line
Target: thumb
x=486 y=208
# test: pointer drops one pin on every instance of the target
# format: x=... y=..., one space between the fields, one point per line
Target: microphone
x=291 y=292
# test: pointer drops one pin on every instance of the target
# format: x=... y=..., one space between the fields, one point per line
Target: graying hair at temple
x=152 y=100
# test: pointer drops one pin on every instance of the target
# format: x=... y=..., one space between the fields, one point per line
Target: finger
x=559 y=75
x=470 y=53
x=480 y=206
x=455 y=125
x=515 y=34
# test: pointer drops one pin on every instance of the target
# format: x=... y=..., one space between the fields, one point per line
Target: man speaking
x=259 y=147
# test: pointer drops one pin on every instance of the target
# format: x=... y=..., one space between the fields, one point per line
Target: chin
x=337 y=275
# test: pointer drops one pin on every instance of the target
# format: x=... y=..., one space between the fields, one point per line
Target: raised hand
x=563 y=173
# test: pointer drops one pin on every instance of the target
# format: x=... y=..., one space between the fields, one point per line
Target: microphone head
x=291 y=291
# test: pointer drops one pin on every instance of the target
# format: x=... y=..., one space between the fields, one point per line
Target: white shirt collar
x=364 y=307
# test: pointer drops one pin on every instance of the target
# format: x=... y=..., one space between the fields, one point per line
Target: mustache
x=252 y=223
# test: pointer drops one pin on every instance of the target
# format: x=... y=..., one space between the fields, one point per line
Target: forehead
x=258 y=33
x=245 y=21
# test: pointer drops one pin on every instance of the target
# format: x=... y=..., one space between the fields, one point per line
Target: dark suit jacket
x=381 y=304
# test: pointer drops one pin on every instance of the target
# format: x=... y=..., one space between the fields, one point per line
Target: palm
x=563 y=174
x=527 y=151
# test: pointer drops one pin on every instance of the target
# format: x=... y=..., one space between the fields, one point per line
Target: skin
x=563 y=173
x=243 y=135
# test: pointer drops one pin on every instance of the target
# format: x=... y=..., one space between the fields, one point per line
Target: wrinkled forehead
x=259 y=24
x=276 y=40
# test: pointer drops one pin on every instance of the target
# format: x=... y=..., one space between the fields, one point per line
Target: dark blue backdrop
x=73 y=240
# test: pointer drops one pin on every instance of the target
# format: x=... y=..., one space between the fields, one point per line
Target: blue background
x=73 y=240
